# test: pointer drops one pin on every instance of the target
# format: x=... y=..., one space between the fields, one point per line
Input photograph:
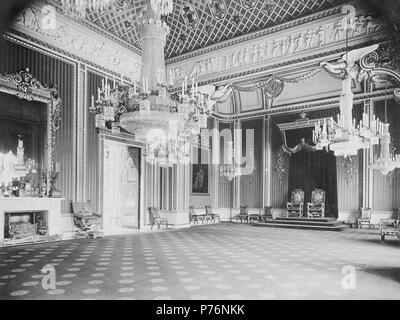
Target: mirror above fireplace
x=29 y=114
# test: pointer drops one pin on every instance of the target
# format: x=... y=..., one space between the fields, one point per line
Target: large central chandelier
x=166 y=124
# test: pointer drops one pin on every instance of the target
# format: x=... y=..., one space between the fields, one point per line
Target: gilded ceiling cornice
x=282 y=68
x=256 y=34
x=300 y=107
x=47 y=49
x=97 y=29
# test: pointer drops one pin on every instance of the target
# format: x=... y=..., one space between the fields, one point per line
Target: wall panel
x=386 y=189
x=92 y=189
x=348 y=191
x=251 y=185
x=224 y=185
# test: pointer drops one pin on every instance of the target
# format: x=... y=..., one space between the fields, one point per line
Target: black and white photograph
x=202 y=155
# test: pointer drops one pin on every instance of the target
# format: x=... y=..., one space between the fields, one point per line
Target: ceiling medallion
x=218 y=8
x=120 y=5
x=237 y=18
x=190 y=16
x=269 y=6
x=248 y=4
x=183 y=37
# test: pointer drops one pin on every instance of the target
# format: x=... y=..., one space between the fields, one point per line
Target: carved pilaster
x=215 y=154
x=367 y=156
x=267 y=161
x=81 y=134
x=238 y=157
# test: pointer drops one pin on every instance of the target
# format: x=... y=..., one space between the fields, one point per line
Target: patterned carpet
x=220 y=261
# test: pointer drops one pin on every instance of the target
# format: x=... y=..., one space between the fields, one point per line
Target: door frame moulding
x=63 y=55
x=124 y=139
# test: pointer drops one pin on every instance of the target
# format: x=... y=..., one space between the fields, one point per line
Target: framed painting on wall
x=200 y=179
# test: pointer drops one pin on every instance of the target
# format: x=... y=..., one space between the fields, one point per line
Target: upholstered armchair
x=211 y=215
x=254 y=217
x=365 y=218
x=390 y=221
x=262 y=217
x=194 y=217
x=393 y=231
x=295 y=206
x=268 y=214
x=316 y=208
x=243 y=214
x=86 y=221
x=157 y=219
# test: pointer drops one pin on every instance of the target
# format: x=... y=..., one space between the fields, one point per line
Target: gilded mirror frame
x=25 y=86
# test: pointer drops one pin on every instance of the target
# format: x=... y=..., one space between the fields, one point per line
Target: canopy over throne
x=295 y=207
x=316 y=208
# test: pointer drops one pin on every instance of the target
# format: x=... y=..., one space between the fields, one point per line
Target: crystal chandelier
x=345 y=137
x=348 y=136
x=165 y=123
x=232 y=169
x=77 y=9
x=387 y=160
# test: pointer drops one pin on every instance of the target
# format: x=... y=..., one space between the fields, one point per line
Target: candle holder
x=54 y=192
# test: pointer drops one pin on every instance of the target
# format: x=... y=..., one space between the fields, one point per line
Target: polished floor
x=219 y=261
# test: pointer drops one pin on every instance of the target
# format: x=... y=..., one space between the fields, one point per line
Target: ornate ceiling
x=199 y=23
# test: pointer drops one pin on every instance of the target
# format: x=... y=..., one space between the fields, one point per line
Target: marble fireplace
x=29 y=220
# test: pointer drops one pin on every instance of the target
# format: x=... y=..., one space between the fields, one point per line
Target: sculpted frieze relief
x=100 y=51
x=266 y=50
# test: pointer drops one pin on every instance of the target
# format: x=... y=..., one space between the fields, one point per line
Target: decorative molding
x=304 y=62
x=279 y=167
x=382 y=64
x=81 y=42
x=319 y=35
x=256 y=35
x=54 y=52
x=300 y=107
x=81 y=146
x=96 y=28
x=127 y=137
x=350 y=168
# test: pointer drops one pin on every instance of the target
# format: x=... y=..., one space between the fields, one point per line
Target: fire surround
x=27 y=209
